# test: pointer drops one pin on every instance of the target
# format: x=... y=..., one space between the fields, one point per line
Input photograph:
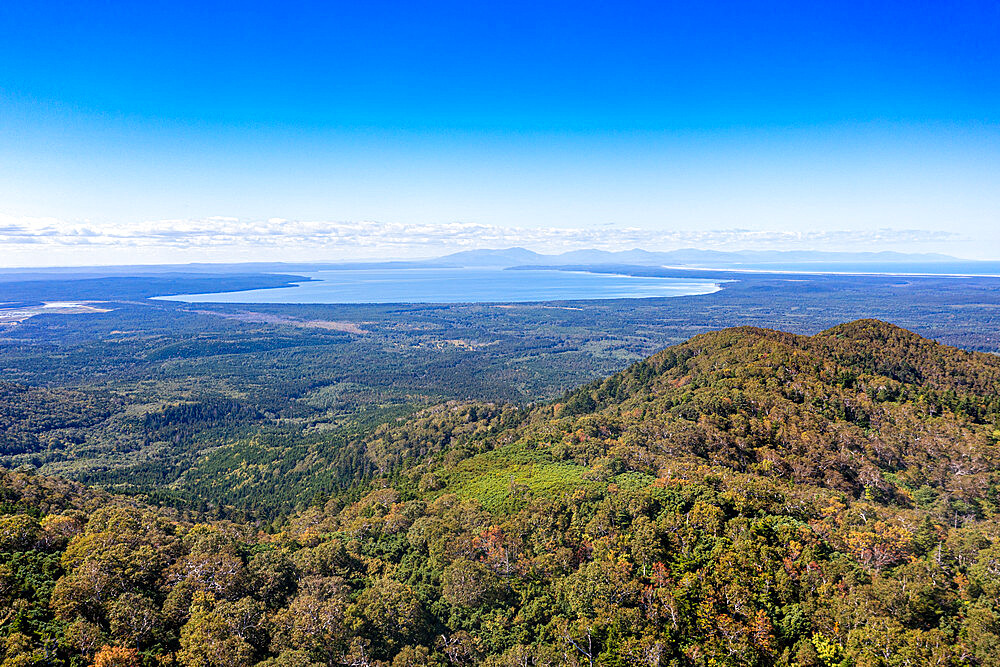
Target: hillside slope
x=864 y=407
x=746 y=498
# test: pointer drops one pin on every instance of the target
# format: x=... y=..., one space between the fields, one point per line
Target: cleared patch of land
x=13 y=316
x=269 y=318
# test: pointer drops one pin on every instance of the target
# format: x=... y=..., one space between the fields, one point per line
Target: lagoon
x=458 y=285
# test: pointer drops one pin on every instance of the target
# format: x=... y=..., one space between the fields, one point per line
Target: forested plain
x=504 y=484
x=169 y=399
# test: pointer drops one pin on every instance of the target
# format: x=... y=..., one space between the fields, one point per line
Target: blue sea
x=458 y=285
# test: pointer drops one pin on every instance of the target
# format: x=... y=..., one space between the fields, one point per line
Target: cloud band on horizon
x=371 y=237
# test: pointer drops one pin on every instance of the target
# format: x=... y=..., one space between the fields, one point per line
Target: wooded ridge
x=748 y=497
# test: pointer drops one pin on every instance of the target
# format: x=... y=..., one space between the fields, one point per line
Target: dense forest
x=748 y=497
x=246 y=410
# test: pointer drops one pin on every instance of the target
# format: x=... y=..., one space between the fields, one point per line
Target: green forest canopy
x=748 y=497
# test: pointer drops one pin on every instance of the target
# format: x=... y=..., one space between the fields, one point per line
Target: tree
x=18 y=532
x=134 y=618
x=389 y=613
x=314 y=620
x=219 y=634
x=117 y=656
x=469 y=584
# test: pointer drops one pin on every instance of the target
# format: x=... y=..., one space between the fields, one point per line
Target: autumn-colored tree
x=117 y=656
x=879 y=545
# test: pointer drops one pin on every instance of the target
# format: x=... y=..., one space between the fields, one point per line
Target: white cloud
x=297 y=239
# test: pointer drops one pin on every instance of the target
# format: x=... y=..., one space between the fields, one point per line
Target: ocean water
x=458 y=286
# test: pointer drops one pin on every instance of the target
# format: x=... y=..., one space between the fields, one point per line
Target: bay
x=458 y=285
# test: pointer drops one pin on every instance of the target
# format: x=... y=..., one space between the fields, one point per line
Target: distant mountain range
x=689 y=258
x=684 y=257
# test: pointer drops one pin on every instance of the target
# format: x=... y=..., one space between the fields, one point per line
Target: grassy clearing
x=503 y=479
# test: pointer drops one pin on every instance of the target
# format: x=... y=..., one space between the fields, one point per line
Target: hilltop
x=748 y=497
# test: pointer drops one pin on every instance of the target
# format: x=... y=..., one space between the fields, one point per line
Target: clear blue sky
x=685 y=118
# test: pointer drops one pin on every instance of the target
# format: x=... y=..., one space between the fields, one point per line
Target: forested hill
x=863 y=407
x=749 y=497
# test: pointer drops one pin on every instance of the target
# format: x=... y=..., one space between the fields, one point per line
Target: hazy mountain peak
x=685 y=256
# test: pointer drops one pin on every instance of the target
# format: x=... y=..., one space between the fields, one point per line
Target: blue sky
x=200 y=131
